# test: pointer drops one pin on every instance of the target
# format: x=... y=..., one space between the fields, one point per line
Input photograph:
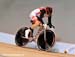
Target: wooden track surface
x=7 y=50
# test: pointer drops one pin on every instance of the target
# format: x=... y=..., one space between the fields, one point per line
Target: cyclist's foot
x=27 y=32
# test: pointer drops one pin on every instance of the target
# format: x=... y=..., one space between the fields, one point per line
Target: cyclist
x=37 y=16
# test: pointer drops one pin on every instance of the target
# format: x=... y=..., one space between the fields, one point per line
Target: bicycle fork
x=46 y=44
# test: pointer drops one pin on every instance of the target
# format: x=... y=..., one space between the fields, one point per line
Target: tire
x=18 y=37
x=50 y=40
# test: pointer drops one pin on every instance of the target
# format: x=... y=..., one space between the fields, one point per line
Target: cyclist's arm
x=41 y=16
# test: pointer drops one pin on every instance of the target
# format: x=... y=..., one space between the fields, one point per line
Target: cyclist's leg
x=40 y=27
x=35 y=24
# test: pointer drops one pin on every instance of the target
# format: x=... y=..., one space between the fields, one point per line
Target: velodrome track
x=7 y=50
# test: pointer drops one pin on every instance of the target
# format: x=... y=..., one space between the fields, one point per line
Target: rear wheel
x=19 y=40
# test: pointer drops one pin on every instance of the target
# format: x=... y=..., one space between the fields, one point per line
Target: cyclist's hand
x=51 y=26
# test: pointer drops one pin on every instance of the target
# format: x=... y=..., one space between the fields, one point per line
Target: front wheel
x=50 y=40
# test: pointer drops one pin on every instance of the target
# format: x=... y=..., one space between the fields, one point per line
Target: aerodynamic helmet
x=48 y=10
